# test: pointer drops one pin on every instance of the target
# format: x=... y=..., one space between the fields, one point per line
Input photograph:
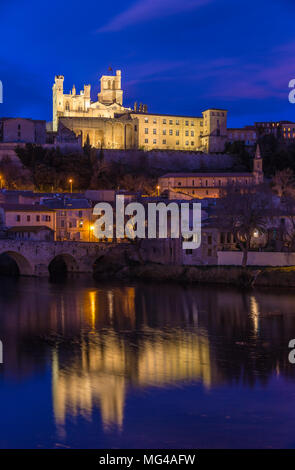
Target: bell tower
x=57 y=97
x=257 y=166
x=110 y=89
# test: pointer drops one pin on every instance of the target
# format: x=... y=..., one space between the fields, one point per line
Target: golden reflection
x=101 y=376
x=254 y=309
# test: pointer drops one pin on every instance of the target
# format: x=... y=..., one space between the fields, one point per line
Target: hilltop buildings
x=107 y=123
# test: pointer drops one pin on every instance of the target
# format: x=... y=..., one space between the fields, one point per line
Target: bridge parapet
x=33 y=257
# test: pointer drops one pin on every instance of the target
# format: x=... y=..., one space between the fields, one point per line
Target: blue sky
x=178 y=56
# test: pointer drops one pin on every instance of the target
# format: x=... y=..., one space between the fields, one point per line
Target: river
x=89 y=365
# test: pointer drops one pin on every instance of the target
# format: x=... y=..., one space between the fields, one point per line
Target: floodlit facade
x=107 y=123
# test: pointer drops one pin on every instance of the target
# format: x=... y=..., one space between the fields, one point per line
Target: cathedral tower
x=110 y=89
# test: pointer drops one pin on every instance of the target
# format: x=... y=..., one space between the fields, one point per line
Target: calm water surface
x=148 y=366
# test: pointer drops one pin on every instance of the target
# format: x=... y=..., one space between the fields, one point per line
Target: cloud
x=145 y=10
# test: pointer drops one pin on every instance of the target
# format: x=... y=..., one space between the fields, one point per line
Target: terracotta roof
x=30 y=228
x=24 y=208
x=197 y=175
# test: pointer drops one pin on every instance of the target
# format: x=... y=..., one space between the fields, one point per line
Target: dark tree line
x=51 y=170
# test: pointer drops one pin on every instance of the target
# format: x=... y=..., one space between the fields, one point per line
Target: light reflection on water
x=103 y=353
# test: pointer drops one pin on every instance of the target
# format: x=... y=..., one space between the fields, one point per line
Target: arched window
x=67 y=106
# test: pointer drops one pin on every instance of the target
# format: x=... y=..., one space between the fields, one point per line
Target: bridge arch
x=62 y=264
x=24 y=266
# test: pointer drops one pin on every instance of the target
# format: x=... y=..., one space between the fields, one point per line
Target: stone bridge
x=33 y=258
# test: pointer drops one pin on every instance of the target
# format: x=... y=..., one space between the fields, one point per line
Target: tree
x=243 y=214
x=283 y=183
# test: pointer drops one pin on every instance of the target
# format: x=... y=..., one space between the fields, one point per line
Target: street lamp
x=158 y=189
x=91 y=228
x=71 y=185
x=1 y=182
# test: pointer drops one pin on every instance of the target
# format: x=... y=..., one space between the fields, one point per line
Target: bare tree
x=243 y=214
x=284 y=183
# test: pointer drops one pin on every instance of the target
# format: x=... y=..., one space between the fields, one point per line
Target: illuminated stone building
x=204 y=185
x=107 y=123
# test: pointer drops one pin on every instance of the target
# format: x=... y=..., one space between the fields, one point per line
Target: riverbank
x=233 y=275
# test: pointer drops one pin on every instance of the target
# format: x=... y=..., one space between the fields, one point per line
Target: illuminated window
x=146 y=119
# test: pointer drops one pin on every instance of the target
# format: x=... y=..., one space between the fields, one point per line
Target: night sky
x=178 y=56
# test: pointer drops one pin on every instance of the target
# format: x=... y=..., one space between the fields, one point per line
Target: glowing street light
x=158 y=189
x=71 y=185
x=1 y=182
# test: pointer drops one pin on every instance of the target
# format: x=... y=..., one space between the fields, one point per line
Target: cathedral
x=106 y=123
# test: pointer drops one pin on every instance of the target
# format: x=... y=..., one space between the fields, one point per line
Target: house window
x=186 y=133
x=177 y=142
x=146 y=141
x=164 y=132
x=164 y=141
x=170 y=132
x=164 y=121
x=176 y=132
x=18 y=218
x=192 y=142
x=209 y=239
x=146 y=119
x=192 y=133
x=177 y=122
x=186 y=123
x=28 y=218
x=155 y=121
x=146 y=131
x=37 y=218
x=170 y=121
x=154 y=141
x=188 y=251
x=186 y=142
x=154 y=131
